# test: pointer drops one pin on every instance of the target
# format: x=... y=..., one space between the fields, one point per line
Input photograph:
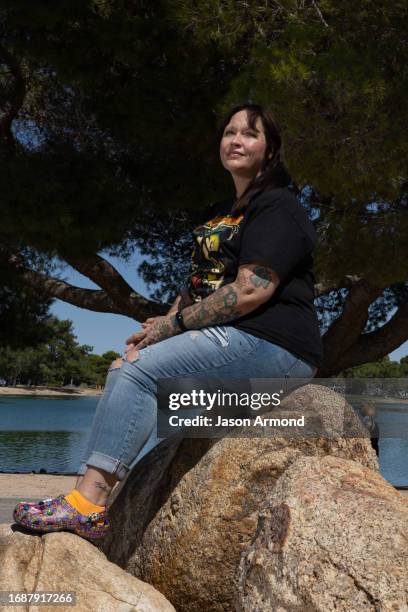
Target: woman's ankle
x=96 y=486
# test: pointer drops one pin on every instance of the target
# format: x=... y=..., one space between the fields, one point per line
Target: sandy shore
x=49 y=391
x=35 y=485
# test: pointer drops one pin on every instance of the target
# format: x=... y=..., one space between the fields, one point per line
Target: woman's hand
x=134 y=339
x=138 y=336
x=131 y=352
x=154 y=330
x=149 y=321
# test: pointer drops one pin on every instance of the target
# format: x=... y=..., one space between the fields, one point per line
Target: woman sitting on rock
x=247 y=313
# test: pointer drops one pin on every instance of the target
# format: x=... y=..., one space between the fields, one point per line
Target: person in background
x=368 y=410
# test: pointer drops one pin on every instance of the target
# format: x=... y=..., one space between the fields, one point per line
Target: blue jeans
x=124 y=426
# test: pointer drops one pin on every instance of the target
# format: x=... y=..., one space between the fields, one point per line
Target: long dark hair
x=273 y=172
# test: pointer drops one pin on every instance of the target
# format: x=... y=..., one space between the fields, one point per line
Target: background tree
x=108 y=111
x=59 y=361
x=384 y=368
x=24 y=318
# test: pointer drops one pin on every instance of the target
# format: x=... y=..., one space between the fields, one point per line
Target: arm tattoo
x=261 y=277
x=219 y=307
x=230 y=302
x=163 y=327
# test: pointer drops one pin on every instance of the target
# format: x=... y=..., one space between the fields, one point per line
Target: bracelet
x=180 y=321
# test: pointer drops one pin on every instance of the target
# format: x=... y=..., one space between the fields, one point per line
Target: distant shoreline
x=49 y=391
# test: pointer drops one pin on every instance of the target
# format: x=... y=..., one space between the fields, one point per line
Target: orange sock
x=80 y=503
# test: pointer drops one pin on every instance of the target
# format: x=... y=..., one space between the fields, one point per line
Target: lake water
x=51 y=434
x=44 y=433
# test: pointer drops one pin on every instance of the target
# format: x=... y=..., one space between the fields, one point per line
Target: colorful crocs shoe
x=58 y=515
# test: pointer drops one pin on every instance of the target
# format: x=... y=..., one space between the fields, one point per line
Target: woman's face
x=242 y=149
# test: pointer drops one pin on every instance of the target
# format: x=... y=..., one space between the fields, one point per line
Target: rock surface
x=332 y=537
x=65 y=562
x=185 y=514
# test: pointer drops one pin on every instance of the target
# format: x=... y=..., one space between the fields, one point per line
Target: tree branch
x=91 y=299
x=102 y=273
x=138 y=308
x=319 y=12
x=346 y=330
x=375 y=345
x=108 y=278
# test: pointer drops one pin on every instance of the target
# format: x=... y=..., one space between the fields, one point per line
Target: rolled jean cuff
x=106 y=463
x=82 y=469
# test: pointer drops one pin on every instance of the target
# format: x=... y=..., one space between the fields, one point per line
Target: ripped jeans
x=124 y=426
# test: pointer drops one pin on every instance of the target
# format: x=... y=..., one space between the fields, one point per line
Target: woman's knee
x=116 y=364
x=132 y=355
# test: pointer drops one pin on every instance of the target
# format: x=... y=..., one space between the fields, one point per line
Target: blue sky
x=108 y=332
x=103 y=331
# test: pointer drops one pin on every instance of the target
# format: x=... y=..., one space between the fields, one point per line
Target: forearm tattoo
x=227 y=303
x=219 y=307
x=164 y=327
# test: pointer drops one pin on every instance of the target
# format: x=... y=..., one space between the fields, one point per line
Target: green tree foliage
x=334 y=72
x=24 y=318
x=108 y=112
x=59 y=361
x=404 y=365
x=96 y=367
x=384 y=368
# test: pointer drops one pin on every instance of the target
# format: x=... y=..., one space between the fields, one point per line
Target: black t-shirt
x=273 y=230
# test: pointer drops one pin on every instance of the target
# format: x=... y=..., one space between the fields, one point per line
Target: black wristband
x=180 y=321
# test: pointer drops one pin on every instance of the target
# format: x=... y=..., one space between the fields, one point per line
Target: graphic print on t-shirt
x=208 y=259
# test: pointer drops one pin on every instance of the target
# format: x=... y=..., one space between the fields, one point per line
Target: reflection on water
x=44 y=433
x=56 y=451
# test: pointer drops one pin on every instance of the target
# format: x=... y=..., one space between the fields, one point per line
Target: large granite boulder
x=333 y=536
x=65 y=562
x=183 y=529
